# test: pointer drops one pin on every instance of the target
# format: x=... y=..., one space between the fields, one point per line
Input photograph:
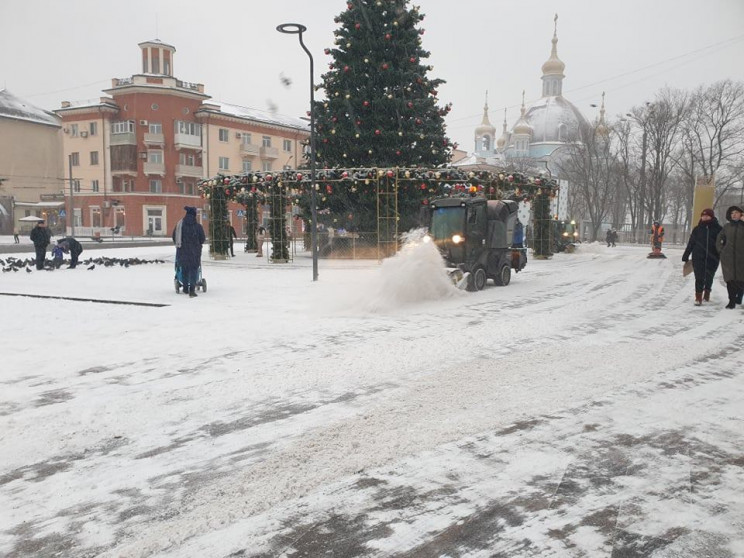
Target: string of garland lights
x=282 y=189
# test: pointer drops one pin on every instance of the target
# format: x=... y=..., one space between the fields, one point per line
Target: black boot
x=731 y=304
x=192 y=293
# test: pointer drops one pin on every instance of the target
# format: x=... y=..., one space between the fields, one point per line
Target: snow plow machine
x=475 y=238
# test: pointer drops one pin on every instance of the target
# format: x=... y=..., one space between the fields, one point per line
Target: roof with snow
x=554 y=118
x=19 y=109
x=258 y=115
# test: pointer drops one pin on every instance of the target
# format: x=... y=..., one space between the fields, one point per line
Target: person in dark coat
x=231 y=234
x=189 y=237
x=730 y=244
x=41 y=238
x=73 y=247
x=702 y=247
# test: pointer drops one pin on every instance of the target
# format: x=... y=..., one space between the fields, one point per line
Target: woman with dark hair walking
x=731 y=248
x=702 y=247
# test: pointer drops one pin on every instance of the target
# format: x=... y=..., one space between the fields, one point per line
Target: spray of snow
x=416 y=274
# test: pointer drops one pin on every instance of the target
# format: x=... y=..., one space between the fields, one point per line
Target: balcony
x=187 y=141
x=249 y=150
x=129 y=138
x=154 y=139
x=269 y=152
x=154 y=168
x=190 y=170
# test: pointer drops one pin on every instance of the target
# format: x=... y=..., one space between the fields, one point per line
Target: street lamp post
x=299 y=29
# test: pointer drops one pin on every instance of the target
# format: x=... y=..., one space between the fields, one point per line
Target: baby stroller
x=201 y=283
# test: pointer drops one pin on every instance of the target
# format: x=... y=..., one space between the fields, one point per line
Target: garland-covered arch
x=366 y=191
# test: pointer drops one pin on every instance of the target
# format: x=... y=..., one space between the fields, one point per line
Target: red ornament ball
x=412 y=59
x=357 y=26
x=366 y=103
x=377 y=132
x=385 y=66
x=387 y=36
x=346 y=68
x=390 y=174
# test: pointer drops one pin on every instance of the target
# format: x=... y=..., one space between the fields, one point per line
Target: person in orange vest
x=657 y=236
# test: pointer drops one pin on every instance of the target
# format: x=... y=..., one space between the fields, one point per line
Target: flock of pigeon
x=29 y=264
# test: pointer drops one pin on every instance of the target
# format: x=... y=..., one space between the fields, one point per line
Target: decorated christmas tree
x=380 y=107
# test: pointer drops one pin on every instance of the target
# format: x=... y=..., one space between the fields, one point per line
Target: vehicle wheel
x=504 y=276
x=204 y=285
x=477 y=279
x=177 y=285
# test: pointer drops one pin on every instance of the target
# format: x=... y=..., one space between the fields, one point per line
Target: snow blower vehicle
x=565 y=235
x=476 y=239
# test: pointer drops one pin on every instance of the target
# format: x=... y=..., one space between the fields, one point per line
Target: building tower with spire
x=485 y=134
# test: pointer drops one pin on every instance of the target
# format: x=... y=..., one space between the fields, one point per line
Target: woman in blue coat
x=705 y=258
x=189 y=238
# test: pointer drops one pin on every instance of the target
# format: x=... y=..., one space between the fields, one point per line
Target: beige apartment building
x=31 y=172
x=135 y=156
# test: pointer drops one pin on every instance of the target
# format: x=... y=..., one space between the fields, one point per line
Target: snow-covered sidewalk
x=588 y=409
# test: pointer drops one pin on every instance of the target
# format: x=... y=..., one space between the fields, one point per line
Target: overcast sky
x=69 y=50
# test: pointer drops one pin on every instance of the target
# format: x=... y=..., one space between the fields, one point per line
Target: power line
x=716 y=46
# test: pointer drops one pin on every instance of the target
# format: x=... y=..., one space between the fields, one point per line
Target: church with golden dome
x=542 y=128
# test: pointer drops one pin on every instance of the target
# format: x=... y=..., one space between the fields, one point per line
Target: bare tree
x=713 y=136
x=589 y=166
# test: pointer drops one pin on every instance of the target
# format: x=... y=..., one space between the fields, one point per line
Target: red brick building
x=135 y=156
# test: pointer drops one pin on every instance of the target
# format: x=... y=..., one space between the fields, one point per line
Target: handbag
x=687 y=268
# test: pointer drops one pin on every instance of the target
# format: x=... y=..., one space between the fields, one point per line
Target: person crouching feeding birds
x=189 y=237
x=705 y=258
x=731 y=248
x=71 y=246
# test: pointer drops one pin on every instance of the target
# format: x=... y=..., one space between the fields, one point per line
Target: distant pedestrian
x=730 y=244
x=657 y=236
x=260 y=239
x=613 y=237
x=16 y=237
x=518 y=235
x=231 y=234
x=73 y=247
x=41 y=238
x=705 y=258
x=188 y=236
x=608 y=238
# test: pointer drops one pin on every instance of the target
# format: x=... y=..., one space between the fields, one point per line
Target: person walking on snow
x=231 y=234
x=41 y=238
x=705 y=258
x=188 y=236
x=730 y=244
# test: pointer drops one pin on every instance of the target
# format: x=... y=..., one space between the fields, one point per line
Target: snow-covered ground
x=588 y=409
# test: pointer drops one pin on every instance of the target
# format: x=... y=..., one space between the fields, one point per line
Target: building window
x=124 y=127
x=190 y=188
x=186 y=159
x=224 y=163
x=74 y=130
x=155 y=157
x=246 y=138
x=156 y=128
x=94 y=128
x=266 y=166
x=247 y=166
x=156 y=186
x=287 y=145
x=78 y=216
x=94 y=157
x=224 y=134
x=94 y=185
x=266 y=141
x=75 y=159
x=188 y=128
x=128 y=185
x=95 y=216
x=155 y=65
x=179 y=184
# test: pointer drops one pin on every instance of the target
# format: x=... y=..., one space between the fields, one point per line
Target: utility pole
x=72 y=198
